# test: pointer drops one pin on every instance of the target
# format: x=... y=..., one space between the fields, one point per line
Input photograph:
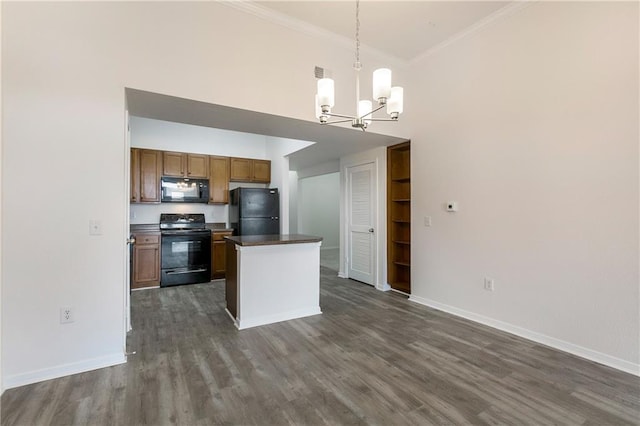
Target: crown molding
x=299 y=25
x=504 y=12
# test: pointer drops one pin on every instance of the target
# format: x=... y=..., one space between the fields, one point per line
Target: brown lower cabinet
x=218 y=254
x=146 y=260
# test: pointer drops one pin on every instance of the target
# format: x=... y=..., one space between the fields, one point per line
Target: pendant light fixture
x=383 y=94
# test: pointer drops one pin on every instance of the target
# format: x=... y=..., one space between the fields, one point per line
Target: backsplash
x=150 y=213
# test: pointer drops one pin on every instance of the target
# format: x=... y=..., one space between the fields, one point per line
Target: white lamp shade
x=318 y=108
x=364 y=108
x=381 y=83
x=326 y=92
x=395 y=101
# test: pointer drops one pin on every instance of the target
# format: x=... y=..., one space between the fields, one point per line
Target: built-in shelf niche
x=399 y=217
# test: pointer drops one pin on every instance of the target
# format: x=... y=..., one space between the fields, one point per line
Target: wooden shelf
x=403 y=286
x=399 y=217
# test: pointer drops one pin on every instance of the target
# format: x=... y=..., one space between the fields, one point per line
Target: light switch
x=95 y=227
x=427 y=221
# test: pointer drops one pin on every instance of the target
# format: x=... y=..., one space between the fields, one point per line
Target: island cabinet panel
x=149 y=174
x=272 y=278
x=146 y=260
x=180 y=164
x=250 y=170
x=218 y=254
x=218 y=180
x=231 y=279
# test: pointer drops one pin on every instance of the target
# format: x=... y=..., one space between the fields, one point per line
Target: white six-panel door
x=360 y=223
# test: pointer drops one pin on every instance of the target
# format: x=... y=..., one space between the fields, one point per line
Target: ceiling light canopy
x=383 y=93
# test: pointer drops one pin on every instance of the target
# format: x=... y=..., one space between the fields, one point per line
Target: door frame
x=127 y=226
x=378 y=157
x=374 y=216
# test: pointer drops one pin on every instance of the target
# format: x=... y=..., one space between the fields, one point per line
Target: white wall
x=293 y=202
x=69 y=78
x=319 y=208
x=1 y=381
x=168 y=136
x=531 y=124
x=377 y=156
x=278 y=150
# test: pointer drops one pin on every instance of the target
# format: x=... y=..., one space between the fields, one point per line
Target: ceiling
x=402 y=29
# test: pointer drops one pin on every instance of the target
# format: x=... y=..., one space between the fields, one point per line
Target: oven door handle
x=185 y=272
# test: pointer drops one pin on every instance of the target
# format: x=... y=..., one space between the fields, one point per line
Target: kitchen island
x=272 y=278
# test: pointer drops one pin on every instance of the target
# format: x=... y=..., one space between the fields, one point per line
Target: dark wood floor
x=370 y=358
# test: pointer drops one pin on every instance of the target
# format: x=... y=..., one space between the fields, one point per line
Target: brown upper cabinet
x=261 y=171
x=218 y=180
x=135 y=175
x=149 y=165
x=146 y=169
x=180 y=164
x=250 y=170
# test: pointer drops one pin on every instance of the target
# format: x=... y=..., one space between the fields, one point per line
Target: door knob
x=371 y=230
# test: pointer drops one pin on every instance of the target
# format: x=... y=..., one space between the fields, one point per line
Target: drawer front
x=219 y=236
x=147 y=239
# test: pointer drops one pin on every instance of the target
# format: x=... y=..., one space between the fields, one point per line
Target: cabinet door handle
x=185 y=272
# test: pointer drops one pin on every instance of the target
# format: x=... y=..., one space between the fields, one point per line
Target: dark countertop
x=146 y=227
x=218 y=227
x=155 y=227
x=270 y=240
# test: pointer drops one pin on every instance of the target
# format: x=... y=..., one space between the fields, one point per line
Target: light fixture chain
x=384 y=94
x=357 y=64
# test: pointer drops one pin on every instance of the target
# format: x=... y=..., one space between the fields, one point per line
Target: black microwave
x=184 y=190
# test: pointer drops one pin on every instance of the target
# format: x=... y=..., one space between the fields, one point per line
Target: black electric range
x=185 y=249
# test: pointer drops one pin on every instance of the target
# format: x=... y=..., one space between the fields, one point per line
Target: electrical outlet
x=488 y=284
x=66 y=315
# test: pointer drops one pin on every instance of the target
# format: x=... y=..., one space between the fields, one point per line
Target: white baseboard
x=63 y=370
x=270 y=319
x=384 y=287
x=608 y=360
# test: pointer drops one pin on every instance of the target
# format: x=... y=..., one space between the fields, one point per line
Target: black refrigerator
x=254 y=211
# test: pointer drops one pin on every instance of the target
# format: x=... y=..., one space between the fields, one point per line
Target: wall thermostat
x=452 y=206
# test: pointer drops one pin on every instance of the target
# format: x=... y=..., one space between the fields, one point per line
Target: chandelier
x=383 y=94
